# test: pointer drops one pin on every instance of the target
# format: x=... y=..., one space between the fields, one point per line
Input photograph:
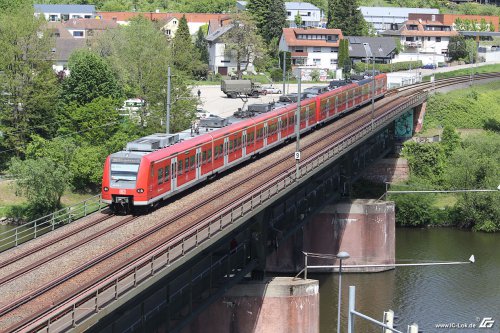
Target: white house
x=422 y=36
x=385 y=18
x=220 y=61
x=65 y=12
x=316 y=48
x=311 y=15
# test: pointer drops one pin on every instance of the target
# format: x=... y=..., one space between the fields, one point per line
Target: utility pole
x=284 y=71
x=297 y=129
x=168 y=101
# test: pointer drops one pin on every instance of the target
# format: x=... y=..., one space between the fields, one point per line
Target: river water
x=426 y=295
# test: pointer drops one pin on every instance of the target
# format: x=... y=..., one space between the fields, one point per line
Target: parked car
x=429 y=66
x=272 y=90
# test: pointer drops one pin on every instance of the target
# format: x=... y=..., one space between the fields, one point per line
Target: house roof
x=395 y=11
x=449 y=19
x=290 y=36
x=381 y=47
x=66 y=46
x=64 y=9
x=58 y=28
x=404 y=31
x=218 y=33
x=300 y=6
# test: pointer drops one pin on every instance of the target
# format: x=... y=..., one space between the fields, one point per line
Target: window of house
x=316 y=49
x=317 y=62
x=438 y=39
x=299 y=49
x=308 y=13
x=88 y=16
x=428 y=39
x=333 y=49
x=333 y=61
x=77 y=33
x=289 y=13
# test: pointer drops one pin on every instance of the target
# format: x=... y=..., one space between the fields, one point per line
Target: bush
x=415 y=210
x=386 y=68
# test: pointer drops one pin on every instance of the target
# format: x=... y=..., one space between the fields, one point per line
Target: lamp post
x=284 y=71
x=369 y=53
x=341 y=256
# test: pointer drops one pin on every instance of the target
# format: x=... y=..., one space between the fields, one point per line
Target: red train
x=151 y=170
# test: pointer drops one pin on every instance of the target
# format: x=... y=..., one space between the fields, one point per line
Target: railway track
x=200 y=211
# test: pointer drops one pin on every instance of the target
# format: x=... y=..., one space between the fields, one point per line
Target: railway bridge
x=161 y=270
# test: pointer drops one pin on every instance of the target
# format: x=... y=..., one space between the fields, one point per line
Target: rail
x=91 y=300
x=33 y=229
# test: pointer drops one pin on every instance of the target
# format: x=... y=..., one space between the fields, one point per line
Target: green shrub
x=386 y=68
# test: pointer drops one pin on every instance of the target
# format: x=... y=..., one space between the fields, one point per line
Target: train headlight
x=140 y=190
x=106 y=189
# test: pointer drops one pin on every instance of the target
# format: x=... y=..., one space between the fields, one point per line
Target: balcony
x=413 y=44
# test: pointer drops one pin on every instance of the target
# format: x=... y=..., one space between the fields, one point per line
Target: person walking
x=199 y=93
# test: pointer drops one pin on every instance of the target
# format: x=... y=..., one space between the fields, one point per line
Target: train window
x=235 y=143
x=160 y=176
x=238 y=142
x=204 y=157
x=216 y=153
x=231 y=145
x=191 y=162
x=180 y=167
x=186 y=166
x=209 y=155
x=167 y=173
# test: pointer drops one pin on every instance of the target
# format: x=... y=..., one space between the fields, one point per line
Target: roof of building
x=395 y=11
x=381 y=47
x=190 y=17
x=290 y=35
x=420 y=31
x=66 y=46
x=288 y=5
x=449 y=19
x=300 y=6
x=64 y=9
x=218 y=33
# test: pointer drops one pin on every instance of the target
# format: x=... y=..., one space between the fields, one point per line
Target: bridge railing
x=100 y=295
x=33 y=229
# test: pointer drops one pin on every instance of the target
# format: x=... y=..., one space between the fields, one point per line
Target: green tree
x=457 y=48
x=92 y=123
x=141 y=54
x=269 y=17
x=425 y=160
x=344 y=61
x=414 y=209
x=243 y=42
x=450 y=140
x=202 y=45
x=476 y=165
x=30 y=91
x=90 y=77
x=86 y=168
x=184 y=56
x=345 y=15
x=298 y=20
x=41 y=181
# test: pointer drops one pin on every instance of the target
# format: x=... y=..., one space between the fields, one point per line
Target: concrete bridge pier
x=274 y=305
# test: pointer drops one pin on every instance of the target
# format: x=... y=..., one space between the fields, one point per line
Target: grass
x=466 y=71
x=8 y=198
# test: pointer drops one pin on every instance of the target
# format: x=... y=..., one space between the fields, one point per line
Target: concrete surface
x=276 y=305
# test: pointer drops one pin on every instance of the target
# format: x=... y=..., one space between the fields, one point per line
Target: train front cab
x=122 y=184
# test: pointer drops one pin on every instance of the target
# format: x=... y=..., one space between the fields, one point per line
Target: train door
x=280 y=125
x=173 y=168
x=244 y=143
x=336 y=105
x=198 y=163
x=226 y=150
x=266 y=131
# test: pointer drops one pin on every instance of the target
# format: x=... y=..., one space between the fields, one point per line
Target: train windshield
x=124 y=171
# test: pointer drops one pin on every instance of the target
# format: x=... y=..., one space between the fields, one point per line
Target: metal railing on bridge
x=33 y=229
